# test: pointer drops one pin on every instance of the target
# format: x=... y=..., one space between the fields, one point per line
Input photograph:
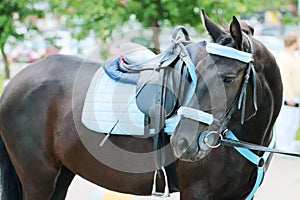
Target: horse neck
x=257 y=129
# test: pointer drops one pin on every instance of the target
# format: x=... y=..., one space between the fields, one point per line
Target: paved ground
x=282 y=182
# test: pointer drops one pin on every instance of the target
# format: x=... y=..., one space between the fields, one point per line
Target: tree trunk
x=6 y=63
x=155 y=37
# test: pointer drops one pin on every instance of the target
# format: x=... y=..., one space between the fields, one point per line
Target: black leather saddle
x=160 y=80
x=140 y=66
x=155 y=77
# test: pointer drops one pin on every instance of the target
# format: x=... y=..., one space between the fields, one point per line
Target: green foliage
x=164 y=12
x=103 y=16
x=288 y=18
x=12 y=12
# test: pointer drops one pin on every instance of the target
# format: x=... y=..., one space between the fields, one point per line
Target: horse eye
x=228 y=79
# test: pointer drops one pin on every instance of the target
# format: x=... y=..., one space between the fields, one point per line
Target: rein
x=228 y=141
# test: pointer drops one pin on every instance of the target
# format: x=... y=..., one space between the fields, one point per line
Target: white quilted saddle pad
x=110 y=107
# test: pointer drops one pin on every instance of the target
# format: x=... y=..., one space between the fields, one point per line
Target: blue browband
x=228 y=52
x=259 y=161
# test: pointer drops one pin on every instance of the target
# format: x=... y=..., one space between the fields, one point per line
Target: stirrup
x=166 y=193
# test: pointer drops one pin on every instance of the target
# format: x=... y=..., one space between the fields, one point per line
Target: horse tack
x=113 y=83
x=240 y=101
x=206 y=139
x=139 y=66
x=159 y=92
x=161 y=78
x=164 y=77
x=73 y=155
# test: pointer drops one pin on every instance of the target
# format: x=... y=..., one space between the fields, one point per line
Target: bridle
x=206 y=140
x=226 y=137
x=240 y=101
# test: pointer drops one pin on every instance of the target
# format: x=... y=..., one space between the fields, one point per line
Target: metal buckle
x=261 y=162
x=205 y=140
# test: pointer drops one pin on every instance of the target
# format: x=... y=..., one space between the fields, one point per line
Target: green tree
x=12 y=11
x=104 y=15
x=157 y=13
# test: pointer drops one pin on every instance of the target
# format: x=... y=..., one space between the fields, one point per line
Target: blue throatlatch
x=255 y=159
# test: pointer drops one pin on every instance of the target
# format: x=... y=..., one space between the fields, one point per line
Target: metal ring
x=205 y=139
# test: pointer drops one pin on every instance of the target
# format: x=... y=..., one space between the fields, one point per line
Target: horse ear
x=247 y=28
x=214 y=31
x=236 y=32
x=251 y=30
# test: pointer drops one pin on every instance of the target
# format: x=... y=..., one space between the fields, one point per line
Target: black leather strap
x=251 y=146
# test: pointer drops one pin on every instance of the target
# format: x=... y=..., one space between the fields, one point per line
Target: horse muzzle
x=197 y=149
x=185 y=151
x=192 y=148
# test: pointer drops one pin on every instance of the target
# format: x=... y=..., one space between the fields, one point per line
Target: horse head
x=232 y=78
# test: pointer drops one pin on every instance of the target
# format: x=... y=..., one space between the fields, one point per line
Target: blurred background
x=33 y=29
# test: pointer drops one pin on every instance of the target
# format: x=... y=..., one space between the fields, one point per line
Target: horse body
x=40 y=121
x=40 y=126
x=51 y=125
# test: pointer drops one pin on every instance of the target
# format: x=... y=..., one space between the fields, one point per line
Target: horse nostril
x=182 y=144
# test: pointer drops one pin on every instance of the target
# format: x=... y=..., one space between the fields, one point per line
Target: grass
x=298 y=134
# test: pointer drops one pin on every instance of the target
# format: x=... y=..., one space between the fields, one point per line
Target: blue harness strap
x=228 y=52
x=255 y=159
x=192 y=71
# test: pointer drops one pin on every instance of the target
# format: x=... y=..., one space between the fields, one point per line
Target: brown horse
x=44 y=143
